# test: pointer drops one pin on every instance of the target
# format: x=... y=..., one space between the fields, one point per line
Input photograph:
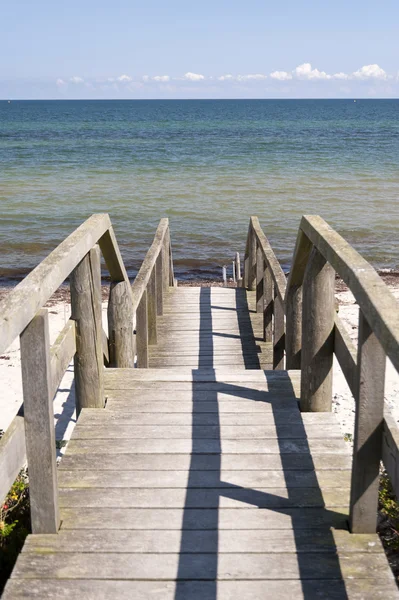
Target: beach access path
x=201 y=479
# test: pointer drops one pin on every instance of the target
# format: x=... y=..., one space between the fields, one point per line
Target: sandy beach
x=64 y=403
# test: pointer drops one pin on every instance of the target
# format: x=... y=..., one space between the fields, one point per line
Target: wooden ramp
x=201 y=479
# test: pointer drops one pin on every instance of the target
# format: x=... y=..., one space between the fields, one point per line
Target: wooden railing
x=314 y=332
x=263 y=273
x=31 y=435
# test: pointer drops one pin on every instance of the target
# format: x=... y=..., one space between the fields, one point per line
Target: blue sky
x=182 y=49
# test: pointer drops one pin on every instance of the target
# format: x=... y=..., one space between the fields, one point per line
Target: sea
x=207 y=165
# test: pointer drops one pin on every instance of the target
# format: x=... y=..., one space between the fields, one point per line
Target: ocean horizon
x=208 y=165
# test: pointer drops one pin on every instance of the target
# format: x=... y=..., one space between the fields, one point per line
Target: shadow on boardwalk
x=203 y=566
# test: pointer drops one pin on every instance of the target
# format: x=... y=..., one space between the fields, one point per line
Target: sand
x=64 y=403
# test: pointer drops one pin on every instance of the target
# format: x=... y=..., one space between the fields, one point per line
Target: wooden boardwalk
x=201 y=479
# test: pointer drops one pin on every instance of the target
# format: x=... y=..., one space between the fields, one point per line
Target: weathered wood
x=177 y=446
x=120 y=326
x=251 y=259
x=159 y=283
x=165 y=262
x=112 y=256
x=267 y=566
x=12 y=454
x=378 y=304
x=238 y=270
x=101 y=460
x=317 y=334
x=260 y=273
x=268 y=307
x=390 y=450
x=152 y=308
x=369 y=588
x=143 y=276
x=369 y=419
x=19 y=307
x=105 y=347
x=61 y=354
x=142 y=332
x=277 y=273
x=293 y=303
x=345 y=352
x=39 y=425
x=278 y=333
x=86 y=312
x=226 y=541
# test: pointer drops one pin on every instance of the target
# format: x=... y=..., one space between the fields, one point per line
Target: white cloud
x=340 y=76
x=76 y=79
x=60 y=83
x=161 y=78
x=281 y=75
x=370 y=72
x=251 y=77
x=305 y=71
x=124 y=79
x=194 y=76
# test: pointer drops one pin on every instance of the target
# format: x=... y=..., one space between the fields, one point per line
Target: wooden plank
x=293 y=308
x=87 y=314
x=227 y=541
x=226 y=567
x=91 y=589
x=120 y=326
x=126 y=377
x=260 y=273
x=39 y=425
x=136 y=519
x=12 y=454
x=278 y=334
x=251 y=259
x=184 y=446
x=369 y=420
x=204 y=432
x=204 y=479
x=279 y=417
x=159 y=283
x=61 y=354
x=390 y=450
x=105 y=347
x=179 y=462
x=278 y=498
x=160 y=405
x=317 y=334
x=19 y=307
x=345 y=352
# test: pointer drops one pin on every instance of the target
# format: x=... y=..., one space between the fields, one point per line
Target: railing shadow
x=302 y=504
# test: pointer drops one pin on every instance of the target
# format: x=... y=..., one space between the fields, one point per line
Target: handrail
x=315 y=332
x=82 y=338
x=263 y=271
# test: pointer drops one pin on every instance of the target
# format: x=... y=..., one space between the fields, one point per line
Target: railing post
x=120 y=326
x=152 y=308
x=39 y=425
x=170 y=259
x=142 y=332
x=252 y=261
x=278 y=334
x=238 y=270
x=86 y=310
x=159 y=283
x=260 y=274
x=268 y=309
x=369 y=418
x=317 y=334
x=294 y=327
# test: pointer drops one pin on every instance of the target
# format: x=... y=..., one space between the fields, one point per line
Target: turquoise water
x=207 y=165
